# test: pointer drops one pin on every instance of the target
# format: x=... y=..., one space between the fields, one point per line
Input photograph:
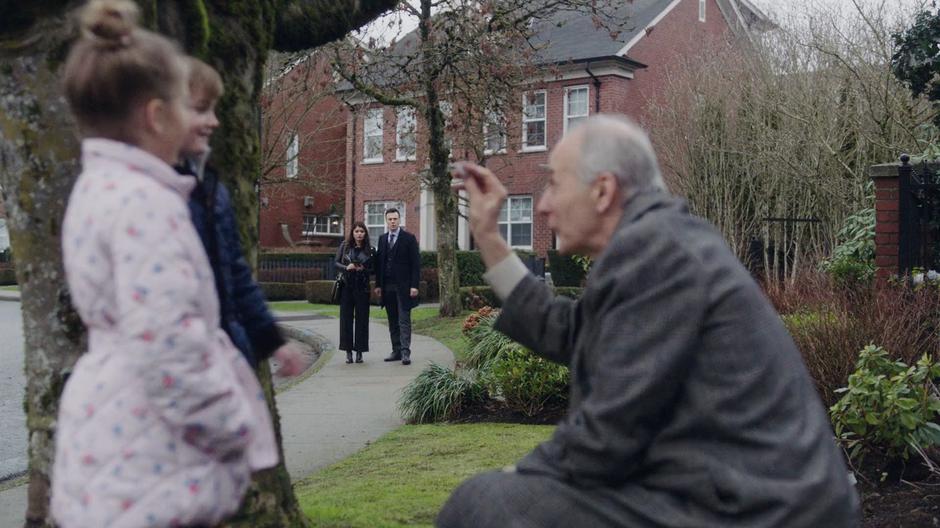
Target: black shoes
x=358 y=357
x=406 y=360
x=348 y=356
x=393 y=357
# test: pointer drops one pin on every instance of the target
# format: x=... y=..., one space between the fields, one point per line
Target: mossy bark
x=39 y=163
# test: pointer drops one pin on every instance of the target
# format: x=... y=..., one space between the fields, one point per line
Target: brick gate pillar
x=885 y=178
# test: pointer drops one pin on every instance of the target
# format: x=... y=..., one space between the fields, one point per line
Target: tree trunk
x=37 y=170
x=39 y=155
x=445 y=203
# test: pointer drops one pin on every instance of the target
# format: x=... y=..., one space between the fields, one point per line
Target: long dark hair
x=351 y=242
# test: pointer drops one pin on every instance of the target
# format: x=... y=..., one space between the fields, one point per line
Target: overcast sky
x=778 y=10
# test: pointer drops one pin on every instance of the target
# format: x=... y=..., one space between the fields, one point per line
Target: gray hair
x=615 y=144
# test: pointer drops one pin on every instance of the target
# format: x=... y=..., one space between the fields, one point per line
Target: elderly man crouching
x=690 y=405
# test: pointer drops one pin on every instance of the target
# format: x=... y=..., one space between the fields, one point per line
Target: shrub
x=830 y=324
x=565 y=270
x=486 y=343
x=569 y=292
x=470 y=267
x=289 y=274
x=853 y=260
x=7 y=277
x=430 y=276
x=476 y=297
x=473 y=320
x=428 y=259
x=888 y=407
x=318 y=291
x=438 y=393
x=525 y=381
x=282 y=291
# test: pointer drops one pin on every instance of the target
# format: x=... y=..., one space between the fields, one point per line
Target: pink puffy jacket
x=162 y=422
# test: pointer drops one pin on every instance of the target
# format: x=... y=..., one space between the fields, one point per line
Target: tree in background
x=773 y=144
x=461 y=72
x=916 y=60
x=39 y=162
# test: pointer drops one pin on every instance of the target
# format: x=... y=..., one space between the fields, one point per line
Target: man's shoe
x=406 y=360
x=348 y=356
x=358 y=357
x=393 y=357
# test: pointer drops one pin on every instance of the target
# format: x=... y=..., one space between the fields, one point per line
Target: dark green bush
x=306 y=257
x=283 y=291
x=430 y=276
x=569 y=292
x=7 y=277
x=470 y=267
x=888 y=408
x=428 y=259
x=525 y=381
x=565 y=270
x=476 y=297
x=318 y=291
x=438 y=394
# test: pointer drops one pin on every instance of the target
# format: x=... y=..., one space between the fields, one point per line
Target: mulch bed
x=884 y=505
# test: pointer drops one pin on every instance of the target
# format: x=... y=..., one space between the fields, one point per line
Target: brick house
x=304 y=173
x=586 y=72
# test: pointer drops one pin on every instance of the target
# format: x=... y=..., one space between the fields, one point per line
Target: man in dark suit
x=398 y=271
x=690 y=405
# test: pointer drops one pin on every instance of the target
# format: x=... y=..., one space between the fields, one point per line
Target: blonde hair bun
x=110 y=22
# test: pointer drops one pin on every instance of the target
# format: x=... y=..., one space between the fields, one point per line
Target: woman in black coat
x=355 y=259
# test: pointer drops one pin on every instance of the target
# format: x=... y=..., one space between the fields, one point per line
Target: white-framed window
x=372 y=136
x=405 y=139
x=515 y=221
x=533 y=121
x=576 y=105
x=494 y=134
x=4 y=235
x=330 y=225
x=375 y=218
x=701 y=10
x=292 y=156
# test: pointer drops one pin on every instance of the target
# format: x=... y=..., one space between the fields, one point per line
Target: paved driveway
x=12 y=384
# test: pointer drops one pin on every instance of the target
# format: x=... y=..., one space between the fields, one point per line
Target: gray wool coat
x=690 y=404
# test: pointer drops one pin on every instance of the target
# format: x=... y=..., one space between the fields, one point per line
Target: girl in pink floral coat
x=162 y=422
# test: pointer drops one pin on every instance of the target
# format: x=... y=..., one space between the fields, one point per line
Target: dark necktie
x=391 y=240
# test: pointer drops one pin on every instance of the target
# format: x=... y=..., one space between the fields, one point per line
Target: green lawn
x=10 y=288
x=332 y=310
x=404 y=477
x=447 y=330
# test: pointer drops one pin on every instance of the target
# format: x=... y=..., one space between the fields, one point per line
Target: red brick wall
x=677 y=36
x=321 y=128
x=886 y=221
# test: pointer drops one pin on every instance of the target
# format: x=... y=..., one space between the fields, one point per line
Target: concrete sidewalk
x=330 y=415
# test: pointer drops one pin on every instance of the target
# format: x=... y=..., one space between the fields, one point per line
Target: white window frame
x=374 y=119
x=385 y=205
x=494 y=120
x=292 y=157
x=526 y=120
x=701 y=10
x=587 y=104
x=508 y=222
x=406 y=116
x=331 y=220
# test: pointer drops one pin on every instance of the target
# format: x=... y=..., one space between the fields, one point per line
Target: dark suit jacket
x=689 y=399
x=406 y=265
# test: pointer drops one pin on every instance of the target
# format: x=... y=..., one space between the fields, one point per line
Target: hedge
x=283 y=291
x=308 y=257
x=7 y=277
x=565 y=271
x=318 y=291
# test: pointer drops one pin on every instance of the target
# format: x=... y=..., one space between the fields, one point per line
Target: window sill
x=376 y=161
x=405 y=160
x=313 y=234
x=526 y=150
x=494 y=152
